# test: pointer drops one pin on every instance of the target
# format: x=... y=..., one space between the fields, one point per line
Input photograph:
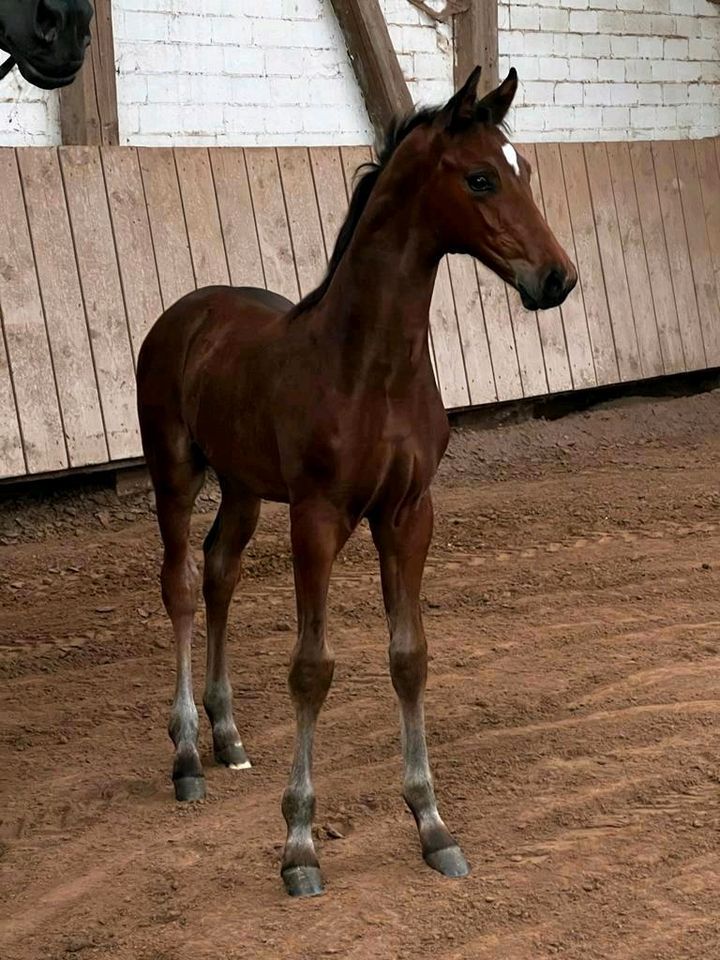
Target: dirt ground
x=572 y=604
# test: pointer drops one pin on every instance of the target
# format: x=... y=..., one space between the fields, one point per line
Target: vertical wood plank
x=352 y=159
x=63 y=306
x=613 y=264
x=88 y=107
x=501 y=339
x=237 y=217
x=24 y=330
x=709 y=173
x=331 y=192
x=271 y=218
x=133 y=240
x=446 y=342
x=476 y=42
x=678 y=255
x=653 y=232
x=167 y=223
x=473 y=335
x=374 y=60
x=699 y=249
x=12 y=460
x=527 y=344
x=202 y=219
x=550 y=322
x=587 y=254
x=303 y=216
x=102 y=294
x=633 y=248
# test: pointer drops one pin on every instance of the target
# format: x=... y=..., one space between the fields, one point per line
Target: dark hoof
x=303 y=881
x=189 y=788
x=234 y=757
x=450 y=862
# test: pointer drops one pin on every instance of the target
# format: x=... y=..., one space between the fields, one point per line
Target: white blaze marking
x=509 y=153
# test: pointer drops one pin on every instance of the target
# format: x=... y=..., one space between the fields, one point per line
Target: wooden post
x=476 y=42
x=374 y=61
x=88 y=108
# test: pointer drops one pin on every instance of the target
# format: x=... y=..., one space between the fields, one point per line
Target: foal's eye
x=480 y=183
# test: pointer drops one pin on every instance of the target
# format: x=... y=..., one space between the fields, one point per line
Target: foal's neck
x=377 y=306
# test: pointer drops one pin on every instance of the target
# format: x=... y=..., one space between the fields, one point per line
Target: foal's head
x=475 y=191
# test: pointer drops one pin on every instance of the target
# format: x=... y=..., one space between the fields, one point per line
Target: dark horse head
x=47 y=39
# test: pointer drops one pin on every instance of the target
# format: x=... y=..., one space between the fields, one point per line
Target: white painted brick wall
x=277 y=72
x=613 y=69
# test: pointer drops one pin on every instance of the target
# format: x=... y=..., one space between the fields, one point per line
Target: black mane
x=394 y=136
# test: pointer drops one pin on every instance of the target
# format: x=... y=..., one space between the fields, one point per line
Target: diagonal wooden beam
x=88 y=108
x=476 y=42
x=374 y=60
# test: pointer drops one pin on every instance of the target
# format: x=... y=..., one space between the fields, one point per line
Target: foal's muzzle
x=548 y=288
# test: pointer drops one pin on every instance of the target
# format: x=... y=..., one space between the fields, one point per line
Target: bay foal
x=331 y=406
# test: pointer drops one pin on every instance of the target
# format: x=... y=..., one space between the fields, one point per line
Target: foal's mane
x=366 y=178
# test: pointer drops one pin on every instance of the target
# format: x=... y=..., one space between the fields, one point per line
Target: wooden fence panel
x=653 y=233
x=133 y=240
x=77 y=389
x=272 y=224
x=96 y=242
x=237 y=217
x=197 y=190
x=303 y=216
x=679 y=255
x=167 y=223
x=102 y=295
x=24 y=331
x=623 y=185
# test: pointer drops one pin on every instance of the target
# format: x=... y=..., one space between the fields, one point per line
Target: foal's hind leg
x=318 y=533
x=177 y=484
x=230 y=534
x=402 y=541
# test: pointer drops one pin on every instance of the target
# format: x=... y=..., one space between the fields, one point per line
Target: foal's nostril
x=48 y=21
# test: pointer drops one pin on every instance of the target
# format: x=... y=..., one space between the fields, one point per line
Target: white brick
x=611 y=70
x=524 y=18
x=616 y=117
x=554 y=20
x=611 y=22
x=675 y=49
x=650 y=47
x=583 y=22
x=569 y=93
x=624 y=47
x=598 y=46
x=583 y=69
x=553 y=68
x=624 y=93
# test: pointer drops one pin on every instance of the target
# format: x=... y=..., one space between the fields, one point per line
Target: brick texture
x=277 y=72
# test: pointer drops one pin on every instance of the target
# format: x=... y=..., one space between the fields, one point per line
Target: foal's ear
x=459 y=111
x=495 y=105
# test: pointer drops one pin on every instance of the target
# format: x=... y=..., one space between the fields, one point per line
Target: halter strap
x=7 y=67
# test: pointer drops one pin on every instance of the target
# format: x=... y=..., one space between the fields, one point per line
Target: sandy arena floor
x=572 y=605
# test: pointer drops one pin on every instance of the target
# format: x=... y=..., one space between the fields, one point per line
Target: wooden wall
x=95 y=242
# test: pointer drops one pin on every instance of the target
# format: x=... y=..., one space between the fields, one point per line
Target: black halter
x=7 y=67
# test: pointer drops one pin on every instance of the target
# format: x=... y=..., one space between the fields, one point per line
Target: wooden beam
x=88 y=108
x=476 y=42
x=374 y=61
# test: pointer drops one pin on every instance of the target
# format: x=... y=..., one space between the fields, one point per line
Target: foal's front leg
x=402 y=541
x=318 y=532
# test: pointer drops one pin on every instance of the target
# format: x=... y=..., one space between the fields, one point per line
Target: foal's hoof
x=303 y=881
x=450 y=862
x=189 y=788
x=234 y=757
